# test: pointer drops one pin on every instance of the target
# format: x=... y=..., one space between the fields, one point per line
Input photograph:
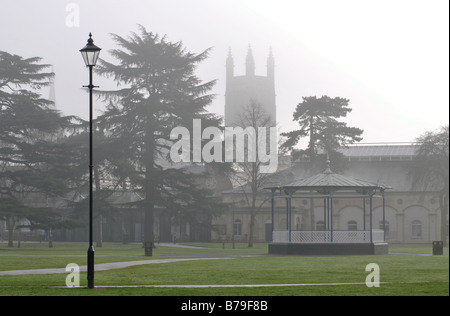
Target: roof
x=381 y=152
x=328 y=180
x=379 y=164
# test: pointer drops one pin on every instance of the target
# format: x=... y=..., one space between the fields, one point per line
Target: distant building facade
x=412 y=216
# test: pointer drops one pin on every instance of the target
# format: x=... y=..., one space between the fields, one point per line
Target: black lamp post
x=90 y=55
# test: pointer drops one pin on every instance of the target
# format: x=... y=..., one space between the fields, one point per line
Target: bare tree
x=430 y=169
x=248 y=174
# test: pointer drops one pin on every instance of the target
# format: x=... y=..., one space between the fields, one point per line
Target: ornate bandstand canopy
x=327 y=186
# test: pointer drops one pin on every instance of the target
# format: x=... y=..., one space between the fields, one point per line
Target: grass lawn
x=405 y=273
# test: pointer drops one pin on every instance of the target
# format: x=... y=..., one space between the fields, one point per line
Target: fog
x=390 y=58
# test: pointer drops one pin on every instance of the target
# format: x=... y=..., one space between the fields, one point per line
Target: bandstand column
x=364 y=214
x=384 y=215
x=290 y=214
x=273 y=207
x=371 y=233
x=331 y=213
x=287 y=212
x=328 y=213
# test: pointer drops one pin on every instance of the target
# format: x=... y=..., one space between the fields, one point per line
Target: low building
x=412 y=215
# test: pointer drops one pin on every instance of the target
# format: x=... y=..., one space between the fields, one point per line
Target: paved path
x=102 y=266
x=166 y=244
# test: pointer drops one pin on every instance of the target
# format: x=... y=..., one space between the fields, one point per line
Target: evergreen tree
x=160 y=91
x=29 y=161
x=109 y=164
x=318 y=119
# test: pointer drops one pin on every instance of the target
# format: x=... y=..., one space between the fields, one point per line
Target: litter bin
x=148 y=248
x=438 y=248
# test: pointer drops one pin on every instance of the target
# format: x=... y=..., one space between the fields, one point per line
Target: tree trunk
x=99 y=243
x=98 y=220
x=252 y=225
x=148 y=231
x=50 y=238
x=443 y=204
x=254 y=186
x=149 y=188
x=19 y=237
x=11 y=225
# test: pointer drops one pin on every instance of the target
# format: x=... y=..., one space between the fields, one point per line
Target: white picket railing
x=360 y=236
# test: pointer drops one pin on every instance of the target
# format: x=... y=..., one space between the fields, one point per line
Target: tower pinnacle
x=271 y=66
x=250 y=63
x=230 y=65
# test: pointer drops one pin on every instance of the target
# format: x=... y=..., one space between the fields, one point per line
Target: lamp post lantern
x=90 y=55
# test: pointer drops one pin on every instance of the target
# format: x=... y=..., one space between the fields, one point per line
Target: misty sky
x=389 y=57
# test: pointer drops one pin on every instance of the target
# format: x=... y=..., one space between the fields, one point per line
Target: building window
x=221 y=229
x=416 y=229
x=352 y=225
x=237 y=227
x=320 y=226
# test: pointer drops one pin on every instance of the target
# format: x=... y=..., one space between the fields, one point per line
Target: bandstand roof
x=327 y=181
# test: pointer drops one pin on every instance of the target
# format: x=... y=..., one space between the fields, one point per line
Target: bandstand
x=329 y=241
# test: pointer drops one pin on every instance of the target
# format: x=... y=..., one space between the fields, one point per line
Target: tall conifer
x=158 y=91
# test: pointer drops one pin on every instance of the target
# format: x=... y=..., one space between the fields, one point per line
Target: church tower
x=242 y=90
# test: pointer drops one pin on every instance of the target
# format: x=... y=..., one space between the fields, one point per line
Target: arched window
x=237 y=227
x=352 y=225
x=416 y=228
